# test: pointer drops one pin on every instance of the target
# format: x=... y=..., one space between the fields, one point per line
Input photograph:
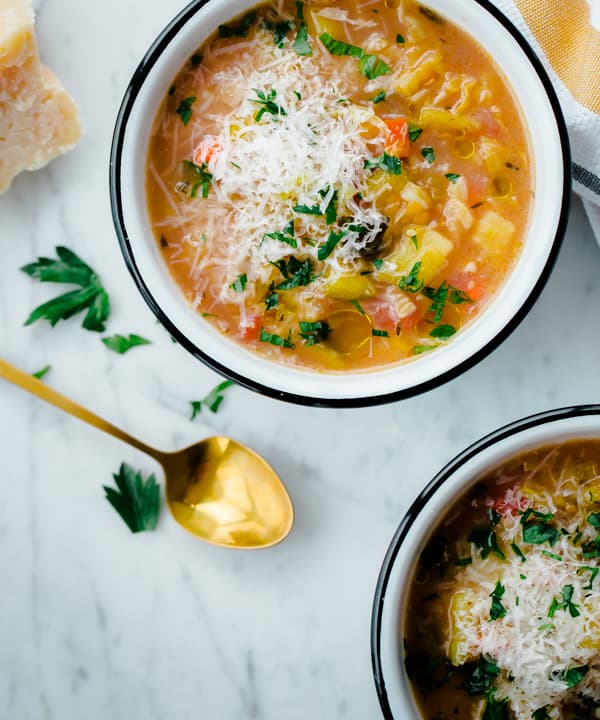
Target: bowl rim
x=485 y=443
x=165 y=37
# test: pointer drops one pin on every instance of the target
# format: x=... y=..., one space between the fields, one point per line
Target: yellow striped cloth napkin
x=566 y=36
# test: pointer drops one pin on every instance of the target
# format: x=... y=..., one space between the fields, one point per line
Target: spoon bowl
x=217 y=489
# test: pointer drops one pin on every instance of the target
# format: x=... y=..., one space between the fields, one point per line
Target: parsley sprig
x=212 y=401
x=121 y=343
x=136 y=500
x=71 y=270
x=267 y=103
x=370 y=66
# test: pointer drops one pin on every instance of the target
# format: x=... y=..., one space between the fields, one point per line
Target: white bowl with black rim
x=389 y=616
x=551 y=166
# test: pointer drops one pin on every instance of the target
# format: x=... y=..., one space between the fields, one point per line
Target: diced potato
x=493 y=232
x=459 y=189
x=414 y=78
x=350 y=287
x=458 y=216
x=494 y=156
x=416 y=198
x=385 y=187
x=445 y=120
x=318 y=24
x=460 y=613
x=432 y=253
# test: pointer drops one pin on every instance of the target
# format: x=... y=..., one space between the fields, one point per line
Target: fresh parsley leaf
x=340 y=48
x=329 y=246
x=573 y=676
x=414 y=132
x=380 y=97
x=372 y=67
x=428 y=153
x=420 y=349
x=240 y=30
x=565 y=603
x=331 y=210
x=273 y=339
x=399 y=39
x=185 y=109
x=378 y=264
x=212 y=401
x=314 y=332
x=453 y=177
x=306 y=210
x=411 y=283
x=443 y=332
x=594 y=573
x=484 y=538
x=594 y=519
x=136 y=500
x=70 y=269
x=279 y=30
x=42 y=373
x=554 y=556
x=239 y=285
x=497 y=609
x=388 y=163
x=283 y=237
x=272 y=301
x=296 y=273
x=538 y=531
x=541 y=713
x=415 y=241
x=458 y=296
x=518 y=552
x=121 y=344
x=357 y=306
x=484 y=673
x=267 y=103
x=438 y=300
x=301 y=45
x=495 y=709
x=379 y=333
x=199 y=177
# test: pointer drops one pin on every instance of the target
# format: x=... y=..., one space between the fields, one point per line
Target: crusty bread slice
x=38 y=118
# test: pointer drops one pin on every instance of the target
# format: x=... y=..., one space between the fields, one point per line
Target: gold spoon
x=217 y=489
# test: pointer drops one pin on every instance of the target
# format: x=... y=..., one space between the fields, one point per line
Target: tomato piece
x=250 y=330
x=469 y=283
x=489 y=125
x=513 y=502
x=382 y=313
x=398 y=140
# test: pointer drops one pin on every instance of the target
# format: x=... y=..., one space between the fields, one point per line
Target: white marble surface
x=97 y=623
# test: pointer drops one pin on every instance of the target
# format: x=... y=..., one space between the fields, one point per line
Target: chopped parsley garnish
x=136 y=500
x=420 y=349
x=428 y=153
x=457 y=297
x=301 y=45
x=438 y=298
x=357 y=306
x=538 y=530
x=369 y=65
x=541 y=713
x=307 y=210
x=411 y=283
x=42 y=373
x=554 y=556
x=565 y=603
x=379 y=333
x=274 y=339
x=272 y=301
x=443 y=332
x=594 y=519
x=314 y=332
x=296 y=273
x=497 y=609
x=573 y=676
x=185 y=109
x=453 y=177
x=482 y=677
x=388 y=163
x=378 y=264
x=286 y=236
x=239 y=285
x=70 y=269
x=241 y=30
x=201 y=178
x=212 y=401
x=484 y=538
x=414 y=132
x=121 y=344
x=518 y=552
x=268 y=104
x=400 y=39
x=495 y=709
x=380 y=97
x=415 y=241
x=330 y=244
x=331 y=210
x=279 y=30
x=594 y=573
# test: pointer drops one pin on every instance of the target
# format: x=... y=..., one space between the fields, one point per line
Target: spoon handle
x=40 y=389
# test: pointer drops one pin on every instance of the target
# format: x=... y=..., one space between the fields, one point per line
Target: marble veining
x=98 y=623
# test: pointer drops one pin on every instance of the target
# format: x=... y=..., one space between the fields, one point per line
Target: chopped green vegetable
x=443 y=332
x=485 y=539
x=296 y=273
x=267 y=103
x=279 y=30
x=357 y=306
x=463 y=562
x=482 y=677
x=497 y=609
x=287 y=236
x=240 y=30
x=42 y=373
x=518 y=552
x=301 y=45
x=411 y=283
x=458 y=296
x=420 y=349
x=70 y=269
x=438 y=298
x=565 y=603
x=314 y=332
x=136 y=500
x=573 y=676
x=380 y=97
x=372 y=67
x=331 y=210
x=380 y=333
x=594 y=573
x=369 y=65
x=495 y=709
x=273 y=339
x=428 y=153
x=329 y=246
x=239 y=285
x=378 y=263
x=538 y=530
x=415 y=241
x=453 y=177
x=399 y=39
x=121 y=344
x=185 y=109
x=388 y=163
x=306 y=210
x=554 y=556
x=212 y=401
x=414 y=132
x=200 y=177
x=272 y=301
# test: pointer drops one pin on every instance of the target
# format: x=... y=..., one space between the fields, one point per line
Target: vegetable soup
x=503 y=619
x=339 y=186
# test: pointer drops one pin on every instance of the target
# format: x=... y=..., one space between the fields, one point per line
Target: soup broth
x=503 y=620
x=339 y=186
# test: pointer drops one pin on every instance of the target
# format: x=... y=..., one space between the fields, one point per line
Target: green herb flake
x=267 y=103
x=70 y=269
x=380 y=97
x=277 y=340
x=400 y=39
x=240 y=30
x=497 y=609
x=356 y=304
x=429 y=154
x=414 y=132
x=136 y=500
x=314 y=332
x=212 y=401
x=42 y=373
x=308 y=210
x=200 y=178
x=388 y=163
x=239 y=285
x=484 y=538
x=594 y=573
x=415 y=240
x=297 y=273
x=565 y=603
x=329 y=246
x=554 y=556
x=272 y=301
x=443 y=332
x=279 y=30
x=380 y=333
x=420 y=349
x=331 y=210
x=518 y=552
x=438 y=298
x=369 y=65
x=411 y=282
x=378 y=264
x=541 y=713
x=495 y=709
x=301 y=45
x=458 y=297
x=284 y=237
x=372 y=67
x=573 y=676
x=482 y=677
x=121 y=344
x=184 y=109
x=453 y=177
x=537 y=531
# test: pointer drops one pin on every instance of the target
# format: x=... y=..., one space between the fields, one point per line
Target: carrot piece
x=398 y=135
